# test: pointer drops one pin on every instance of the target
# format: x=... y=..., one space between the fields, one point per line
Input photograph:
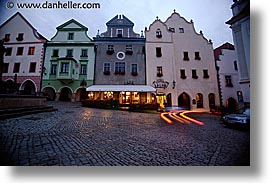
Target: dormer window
x=158 y=33
x=171 y=29
x=71 y=36
x=119 y=32
x=20 y=37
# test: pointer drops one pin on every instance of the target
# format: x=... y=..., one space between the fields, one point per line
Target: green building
x=69 y=63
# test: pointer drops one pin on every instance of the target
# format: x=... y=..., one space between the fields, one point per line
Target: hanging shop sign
x=160 y=83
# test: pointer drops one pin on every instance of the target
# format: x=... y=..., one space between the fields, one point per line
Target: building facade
x=120 y=64
x=240 y=25
x=180 y=64
x=69 y=63
x=230 y=91
x=23 y=59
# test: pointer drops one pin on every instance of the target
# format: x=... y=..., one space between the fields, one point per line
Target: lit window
x=31 y=51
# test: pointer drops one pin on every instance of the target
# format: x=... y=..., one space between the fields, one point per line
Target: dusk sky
x=208 y=15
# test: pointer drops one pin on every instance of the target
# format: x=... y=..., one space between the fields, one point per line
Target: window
x=31 y=51
x=16 y=67
x=120 y=68
x=235 y=65
x=171 y=29
x=228 y=81
x=84 y=53
x=20 y=37
x=106 y=68
x=55 y=53
x=7 y=37
x=53 y=69
x=70 y=53
x=110 y=49
x=158 y=52
x=20 y=51
x=159 y=71
x=71 y=36
x=205 y=73
x=194 y=74
x=181 y=30
x=197 y=55
x=5 y=67
x=158 y=33
x=32 y=67
x=185 y=56
x=129 y=49
x=182 y=74
x=134 y=70
x=83 y=69
x=8 y=51
x=119 y=32
x=65 y=67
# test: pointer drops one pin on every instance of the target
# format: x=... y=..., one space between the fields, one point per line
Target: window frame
x=31 y=50
x=20 y=51
x=70 y=36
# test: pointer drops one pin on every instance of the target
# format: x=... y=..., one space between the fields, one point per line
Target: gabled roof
x=218 y=50
x=72 y=21
x=38 y=35
x=120 y=20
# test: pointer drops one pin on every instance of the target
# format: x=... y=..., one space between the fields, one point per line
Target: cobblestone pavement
x=75 y=135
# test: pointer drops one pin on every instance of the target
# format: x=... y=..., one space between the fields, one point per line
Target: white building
x=24 y=55
x=69 y=63
x=180 y=64
x=230 y=90
x=240 y=25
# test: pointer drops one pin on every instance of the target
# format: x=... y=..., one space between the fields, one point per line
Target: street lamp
x=174 y=84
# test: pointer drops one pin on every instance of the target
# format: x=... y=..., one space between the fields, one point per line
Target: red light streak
x=191 y=119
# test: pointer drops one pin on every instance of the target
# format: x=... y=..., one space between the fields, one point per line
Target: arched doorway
x=184 y=100
x=199 y=99
x=49 y=93
x=211 y=99
x=231 y=105
x=169 y=100
x=65 y=94
x=81 y=94
x=28 y=88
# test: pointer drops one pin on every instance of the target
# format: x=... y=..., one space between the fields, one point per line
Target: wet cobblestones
x=78 y=136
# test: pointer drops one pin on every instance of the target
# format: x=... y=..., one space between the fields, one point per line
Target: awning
x=122 y=88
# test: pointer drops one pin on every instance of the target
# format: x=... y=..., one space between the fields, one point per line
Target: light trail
x=183 y=119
